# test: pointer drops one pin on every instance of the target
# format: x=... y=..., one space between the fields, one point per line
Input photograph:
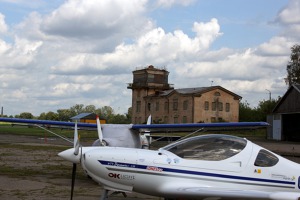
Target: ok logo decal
x=114 y=175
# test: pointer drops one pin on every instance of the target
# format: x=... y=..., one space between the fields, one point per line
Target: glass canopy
x=208 y=147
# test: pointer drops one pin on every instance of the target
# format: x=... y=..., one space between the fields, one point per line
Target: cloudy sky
x=55 y=54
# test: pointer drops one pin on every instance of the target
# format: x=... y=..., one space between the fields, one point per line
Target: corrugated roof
x=295 y=86
x=82 y=115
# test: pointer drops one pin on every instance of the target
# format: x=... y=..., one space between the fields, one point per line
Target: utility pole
x=269 y=94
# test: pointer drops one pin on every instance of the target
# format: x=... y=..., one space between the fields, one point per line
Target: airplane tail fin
x=146 y=138
x=100 y=134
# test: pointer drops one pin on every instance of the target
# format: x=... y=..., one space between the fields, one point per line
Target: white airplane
x=202 y=167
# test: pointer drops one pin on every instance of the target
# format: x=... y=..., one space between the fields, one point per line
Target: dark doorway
x=291 y=127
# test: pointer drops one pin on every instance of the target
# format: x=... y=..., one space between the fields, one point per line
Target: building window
x=138 y=106
x=227 y=107
x=139 y=93
x=175 y=104
x=157 y=120
x=185 y=105
x=217 y=94
x=206 y=105
x=184 y=119
x=157 y=106
x=220 y=106
x=176 y=120
x=166 y=119
x=166 y=106
x=213 y=119
x=149 y=106
x=214 y=106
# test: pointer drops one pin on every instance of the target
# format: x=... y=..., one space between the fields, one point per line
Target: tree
x=119 y=119
x=25 y=115
x=246 y=113
x=293 y=67
x=265 y=108
x=64 y=114
x=106 y=112
x=90 y=109
x=77 y=109
x=51 y=116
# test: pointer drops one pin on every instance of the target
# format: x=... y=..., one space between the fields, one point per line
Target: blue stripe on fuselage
x=180 y=171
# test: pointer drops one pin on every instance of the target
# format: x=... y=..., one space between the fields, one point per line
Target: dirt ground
x=30 y=169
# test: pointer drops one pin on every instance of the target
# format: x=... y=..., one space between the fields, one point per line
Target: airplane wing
x=154 y=128
x=184 y=191
x=48 y=123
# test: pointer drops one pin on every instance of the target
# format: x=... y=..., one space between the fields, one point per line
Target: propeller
x=73 y=155
x=76 y=140
x=73 y=179
x=76 y=151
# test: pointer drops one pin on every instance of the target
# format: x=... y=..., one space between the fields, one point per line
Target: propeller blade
x=73 y=179
x=100 y=135
x=76 y=140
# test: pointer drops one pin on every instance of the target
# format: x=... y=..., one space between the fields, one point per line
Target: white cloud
x=207 y=32
x=3 y=26
x=19 y=55
x=277 y=46
x=155 y=46
x=290 y=14
x=289 y=18
x=170 y=3
x=96 y=19
x=84 y=52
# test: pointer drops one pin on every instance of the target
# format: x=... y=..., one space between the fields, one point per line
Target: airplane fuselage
x=153 y=172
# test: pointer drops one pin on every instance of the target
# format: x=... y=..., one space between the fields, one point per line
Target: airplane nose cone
x=70 y=156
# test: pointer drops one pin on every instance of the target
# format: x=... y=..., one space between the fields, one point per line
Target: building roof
x=84 y=116
x=193 y=91
x=295 y=87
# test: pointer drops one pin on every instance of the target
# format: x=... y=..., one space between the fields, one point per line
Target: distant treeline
x=264 y=108
x=105 y=112
x=247 y=114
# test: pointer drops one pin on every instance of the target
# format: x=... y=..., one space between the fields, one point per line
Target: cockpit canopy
x=214 y=147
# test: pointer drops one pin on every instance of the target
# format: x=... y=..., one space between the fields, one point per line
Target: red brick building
x=152 y=94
